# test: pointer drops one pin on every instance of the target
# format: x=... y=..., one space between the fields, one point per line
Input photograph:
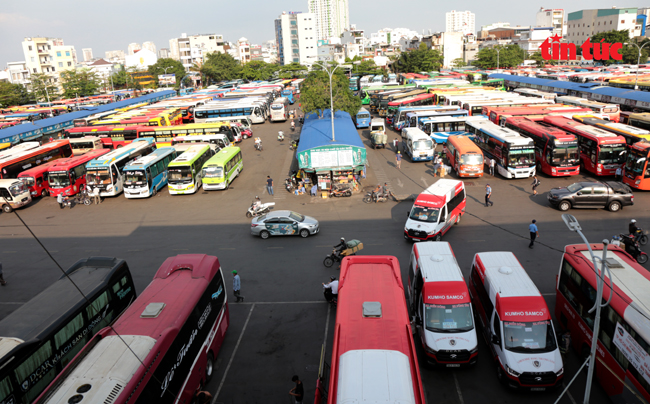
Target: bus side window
x=25 y=369
x=68 y=331
x=5 y=388
x=5 y=194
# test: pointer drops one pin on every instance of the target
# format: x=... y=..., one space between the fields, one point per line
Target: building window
x=49 y=47
x=34 y=70
x=58 y=54
x=33 y=59
x=69 y=63
x=67 y=53
x=60 y=64
x=622 y=21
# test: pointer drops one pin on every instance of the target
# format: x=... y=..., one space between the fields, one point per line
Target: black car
x=610 y=195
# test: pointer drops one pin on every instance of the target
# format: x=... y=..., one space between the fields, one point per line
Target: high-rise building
x=48 y=56
x=297 y=38
x=163 y=53
x=192 y=49
x=551 y=17
x=244 y=50
x=132 y=48
x=149 y=46
x=332 y=17
x=460 y=21
x=88 y=54
x=584 y=24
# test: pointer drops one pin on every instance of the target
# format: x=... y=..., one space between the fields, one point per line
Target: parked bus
x=624 y=337
x=556 y=151
x=111 y=136
x=42 y=336
x=353 y=83
x=422 y=99
x=531 y=92
x=216 y=141
x=185 y=171
x=14 y=163
x=641 y=120
x=630 y=133
x=441 y=127
x=464 y=156
x=165 y=136
x=477 y=107
x=280 y=109
x=439 y=300
x=610 y=109
x=601 y=152
x=105 y=172
x=637 y=169
x=36 y=179
x=85 y=144
x=287 y=93
x=414 y=119
x=146 y=175
x=68 y=176
x=362 y=118
x=371 y=306
x=514 y=154
x=9 y=150
x=516 y=323
x=399 y=115
x=499 y=115
x=382 y=104
x=222 y=168
x=418 y=145
x=162 y=349
x=222 y=109
x=14 y=194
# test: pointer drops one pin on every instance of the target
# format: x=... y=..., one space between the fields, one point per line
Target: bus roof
x=592 y=132
x=145 y=161
x=503 y=134
x=223 y=155
x=34 y=171
x=190 y=155
x=438 y=264
x=66 y=164
x=121 y=152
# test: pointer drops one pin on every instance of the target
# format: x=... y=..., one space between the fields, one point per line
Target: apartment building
x=48 y=56
x=332 y=17
x=297 y=38
x=584 y=24
x=460 y=21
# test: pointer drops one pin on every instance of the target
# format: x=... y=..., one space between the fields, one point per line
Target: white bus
x=280 y=109
x=531 y=92
x=83 y=145
x=611 y=109
x=244 y=120
x=218 y=140
x=226 y=109
x=418 y=145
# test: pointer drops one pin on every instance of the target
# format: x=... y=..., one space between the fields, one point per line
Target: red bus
x=637 y=169
x=111 y=136
x=68 y=176
x=422 y=99
x=176 y=327
x=15 y=164
x=36 y=179
x=601 y=152
x=499 y=115
x=371 y=307
x=622 y=353
x=556 y=151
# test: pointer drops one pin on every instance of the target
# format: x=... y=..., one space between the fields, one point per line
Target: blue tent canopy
x=318 y=132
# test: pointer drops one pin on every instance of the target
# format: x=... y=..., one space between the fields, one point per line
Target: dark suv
x=610 y=195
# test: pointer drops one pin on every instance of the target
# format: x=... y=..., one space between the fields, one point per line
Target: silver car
x=284 y=223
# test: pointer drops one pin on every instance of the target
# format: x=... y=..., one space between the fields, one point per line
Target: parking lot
x=281 y=326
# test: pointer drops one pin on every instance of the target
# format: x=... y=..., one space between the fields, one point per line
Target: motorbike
x=81 y=198
x=258 y=146
x=374 y=197
x=631 y=246
x=339 y=191
x=262 y=210
x=288 y=185
x=281 y=136
x=337 y=256
x=294 y=145
x=641 y=236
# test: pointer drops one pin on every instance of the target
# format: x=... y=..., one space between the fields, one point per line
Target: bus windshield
x=213 y=172
x=17 y=188
x=180 y=174
x=29 y=181
x=59 y=179
x=471 y=159
x=534 y=336
x=363 y=116
x=136 y=176
x=636 y=161
x=424 y=214
x=614 y=154
x=521 y=157
x=98 y=176
x=423 y=144
x=448 y=317
x=565 y=155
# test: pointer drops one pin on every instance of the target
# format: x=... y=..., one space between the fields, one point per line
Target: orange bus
x=464 y=156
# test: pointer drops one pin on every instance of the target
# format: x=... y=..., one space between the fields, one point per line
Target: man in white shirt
x=492 y=164
x=331 y=289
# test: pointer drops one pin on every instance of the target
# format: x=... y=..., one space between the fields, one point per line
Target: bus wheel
x=209 y=368
x=7 y=208
x=227 y=184
x=44 y=193
x=154 y=192
x=439 y=237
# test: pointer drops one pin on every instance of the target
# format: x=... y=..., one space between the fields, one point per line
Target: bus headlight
x=512 y=372
x=560 y=373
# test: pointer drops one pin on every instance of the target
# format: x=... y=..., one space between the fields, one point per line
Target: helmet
x=332 y=278
x=342 y=239
x=633 y=221
x=257 y=197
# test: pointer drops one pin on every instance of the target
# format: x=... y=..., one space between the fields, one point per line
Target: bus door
x=116 y=179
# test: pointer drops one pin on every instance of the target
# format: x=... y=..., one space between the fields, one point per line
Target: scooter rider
x=257 y=204
x=340 y=247
x=633 y=228
x=280 y=136
x=258 y=142
x=331 y=290
x=293 y=125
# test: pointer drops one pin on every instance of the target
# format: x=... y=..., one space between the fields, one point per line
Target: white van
x=516 y=322
x=440 y=302
x=418 y=145
x=14 y=194
x=82 y=145
x=377 y=125
x=435 y=210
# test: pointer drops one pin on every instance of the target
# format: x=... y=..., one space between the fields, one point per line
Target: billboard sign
x=167 y=79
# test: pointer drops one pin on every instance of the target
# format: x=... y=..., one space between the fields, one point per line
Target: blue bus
x=219 y=110
x=288 y=94
x=397 y=120
x=414 y=119
x=148 y=174
x=362 y=118
x=441 y=127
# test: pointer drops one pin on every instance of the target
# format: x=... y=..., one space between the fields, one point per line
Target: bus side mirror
x=407 y=214
x=495 y=340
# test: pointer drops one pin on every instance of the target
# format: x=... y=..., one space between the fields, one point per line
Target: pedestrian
x=396 y=144
x=619 y=173
x=269 y=185
x=436 y=167
x=236 y=287
x=398 y=160
x=488 y=194
x=297 y=392
x=534 y=233
x=535 y=184
x=2 y=279
x=492 y=164
x=203 y=397
x=59 y=200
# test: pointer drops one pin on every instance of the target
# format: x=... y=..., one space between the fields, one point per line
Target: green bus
x=370 y=93
x=222 y=168
x=184 y=173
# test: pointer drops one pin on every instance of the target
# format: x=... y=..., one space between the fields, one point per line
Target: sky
x=105 y=26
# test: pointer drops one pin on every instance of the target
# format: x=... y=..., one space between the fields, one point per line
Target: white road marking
x=274 y=248
x=400 y=183
x=13 y=302
x=460 y=395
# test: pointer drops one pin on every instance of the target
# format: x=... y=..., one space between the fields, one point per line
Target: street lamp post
x=330 y=73
x=165 y=69
x=498 y=51
x=638 y=60
x=573 y=225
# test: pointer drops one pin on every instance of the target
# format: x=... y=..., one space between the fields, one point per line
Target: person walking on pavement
x=398 y=160
x=492 y=164
x=619 y=173
x=297 y=392
x=534 y=233
x=2 y=279
x=395 y=143
x=59 y=200
x=535 y=184
x=236 y=287
x=488 y=194
x=269 y=185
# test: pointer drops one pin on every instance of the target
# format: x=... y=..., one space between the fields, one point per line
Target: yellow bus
x=164 y=135
x=640 y=120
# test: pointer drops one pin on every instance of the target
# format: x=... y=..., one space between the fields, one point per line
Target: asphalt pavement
x=280 y=328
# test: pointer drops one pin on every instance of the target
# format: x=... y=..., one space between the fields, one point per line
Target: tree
x=315 y=94
x=367 y=67
x=540 y=61
x=293 y=70
x=14 y=94
x=458 y=63
x=43 y=87
x=119 y=79
x=258 y=70
x=419 y=60
x=220 y=67
x=508 y=56
x=79 y=83
x=170 y=66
